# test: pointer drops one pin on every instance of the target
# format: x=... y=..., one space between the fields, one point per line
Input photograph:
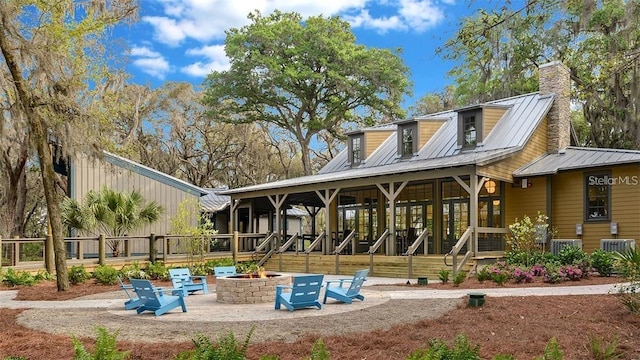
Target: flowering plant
x=522 y=275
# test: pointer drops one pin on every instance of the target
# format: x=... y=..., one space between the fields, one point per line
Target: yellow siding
x=490 y=117
x=94 y=174
x=373 y=139
x=426 y=129
x=520 y=202
x=535 y=147
x=568 y=207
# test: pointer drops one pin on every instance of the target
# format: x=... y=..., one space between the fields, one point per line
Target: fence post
x=234 y=247
x=16 y=251
x=152 y=248
x=127 y=248
x=48 y=254
x=102 y=250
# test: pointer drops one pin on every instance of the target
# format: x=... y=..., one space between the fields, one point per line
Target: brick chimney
x=554 y=78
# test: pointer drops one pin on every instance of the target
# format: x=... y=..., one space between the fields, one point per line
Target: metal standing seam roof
x=215 y=202
x=509 y=135
x=573 y=158
x=153 y=174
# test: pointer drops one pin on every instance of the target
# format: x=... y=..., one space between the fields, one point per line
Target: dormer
x=415 y=133
x=356 y=148
x=476 y=122
x=363 y=143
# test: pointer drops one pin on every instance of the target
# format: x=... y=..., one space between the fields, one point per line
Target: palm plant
x=110 y=212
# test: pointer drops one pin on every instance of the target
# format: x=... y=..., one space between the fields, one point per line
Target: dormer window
x=407 y=139
x=469 y=128
x=355 y=149
x=470 y=135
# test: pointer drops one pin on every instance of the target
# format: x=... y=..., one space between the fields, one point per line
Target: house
x=217 y=208
x=460 y=177
x=122 y=174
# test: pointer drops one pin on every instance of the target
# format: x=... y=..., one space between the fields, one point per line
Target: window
x=407 y=142
x=469 y=131
x=407 y=139
x=597 y=204
x=470 y=128
x=355 y=150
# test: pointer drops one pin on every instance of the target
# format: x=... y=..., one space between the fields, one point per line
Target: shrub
x=552 y=273
x=438 y=349
x=459 y=278
x=78 y=274
x=15 y=278
x=602 y=262
x=604 y=350
x=106 y=348
x=133 y=271
x=522 y=275
x=552 y=351
x=157 y=271
x=628 y=264
x=199 y=269
x=524 y=237
x=500 y=273
x=483 y=274
x=569 y=255
x=247 y=267
x=105 y=274
x=42 y=275
x=319 y=351
x=443 y=276
x=228 y=348
x=570 y=272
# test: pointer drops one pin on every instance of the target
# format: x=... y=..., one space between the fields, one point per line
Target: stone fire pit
x=243 y=289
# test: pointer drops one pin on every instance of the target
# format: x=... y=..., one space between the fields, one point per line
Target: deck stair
x=385 y=266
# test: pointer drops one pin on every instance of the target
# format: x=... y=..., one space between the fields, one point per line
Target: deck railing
x=423 y=237
x=312 y=247
x=350 y=239
x=373 y=248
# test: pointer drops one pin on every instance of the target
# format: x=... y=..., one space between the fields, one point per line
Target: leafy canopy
x=305 y=77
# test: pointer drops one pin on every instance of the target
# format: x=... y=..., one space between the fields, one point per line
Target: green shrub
x=105 y=274
x=15 y=278
x=106 y=348
x=228 y=348
x=604 y=350
x=438 y=349
x=483 y=274
x=500 y=278
x=628 y=264
x=247 y=267
x=443 y=276
x=31 y=252
x=133 y=271
x=459 y=278
x=552 y=351
x=42 y=275
x=78 y=274
x=552 y=273
x=503 y=357
x=603 y=261
x=570 y=255
x=319 y=351
x=157 y=271
x=629 y=296
x=199 y=269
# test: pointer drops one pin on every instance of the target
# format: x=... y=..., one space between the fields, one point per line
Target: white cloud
x=420 y=15
x=412 y=15
x=216 y=61
x=150 y=62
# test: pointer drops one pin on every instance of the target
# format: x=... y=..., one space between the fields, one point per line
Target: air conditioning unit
x=558 y=244
x=618 y=245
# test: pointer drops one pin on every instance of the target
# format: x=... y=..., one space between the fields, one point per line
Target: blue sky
x=183 y=40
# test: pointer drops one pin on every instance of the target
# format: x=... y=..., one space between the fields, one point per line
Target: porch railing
x=312 y=247
x=373 y=248
x=262 y=246
x=351 y=238
x=412 y=249
x=293 y=239
x=456 y=249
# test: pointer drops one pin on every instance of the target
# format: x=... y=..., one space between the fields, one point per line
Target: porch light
x=490 y=185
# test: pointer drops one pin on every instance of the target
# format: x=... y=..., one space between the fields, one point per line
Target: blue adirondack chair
x=153 y=299
x=346 y=294
x=305 y=292
x=183 y=282
x=133 y=301
x=224 y=271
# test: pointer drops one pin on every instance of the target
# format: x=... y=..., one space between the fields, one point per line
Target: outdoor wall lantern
x=490 y=185
x=579 y=229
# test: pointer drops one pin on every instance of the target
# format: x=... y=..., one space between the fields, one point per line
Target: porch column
x=473 y=189
x=233 y=216
x=391 y=195
x=277 y=203
x=327 y=198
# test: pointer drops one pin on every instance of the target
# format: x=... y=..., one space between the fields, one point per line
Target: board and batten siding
x=373 y=139
x=569 y=200
x=490 y=117
x=535 y=147
x=93 y=174
x=528 y=201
